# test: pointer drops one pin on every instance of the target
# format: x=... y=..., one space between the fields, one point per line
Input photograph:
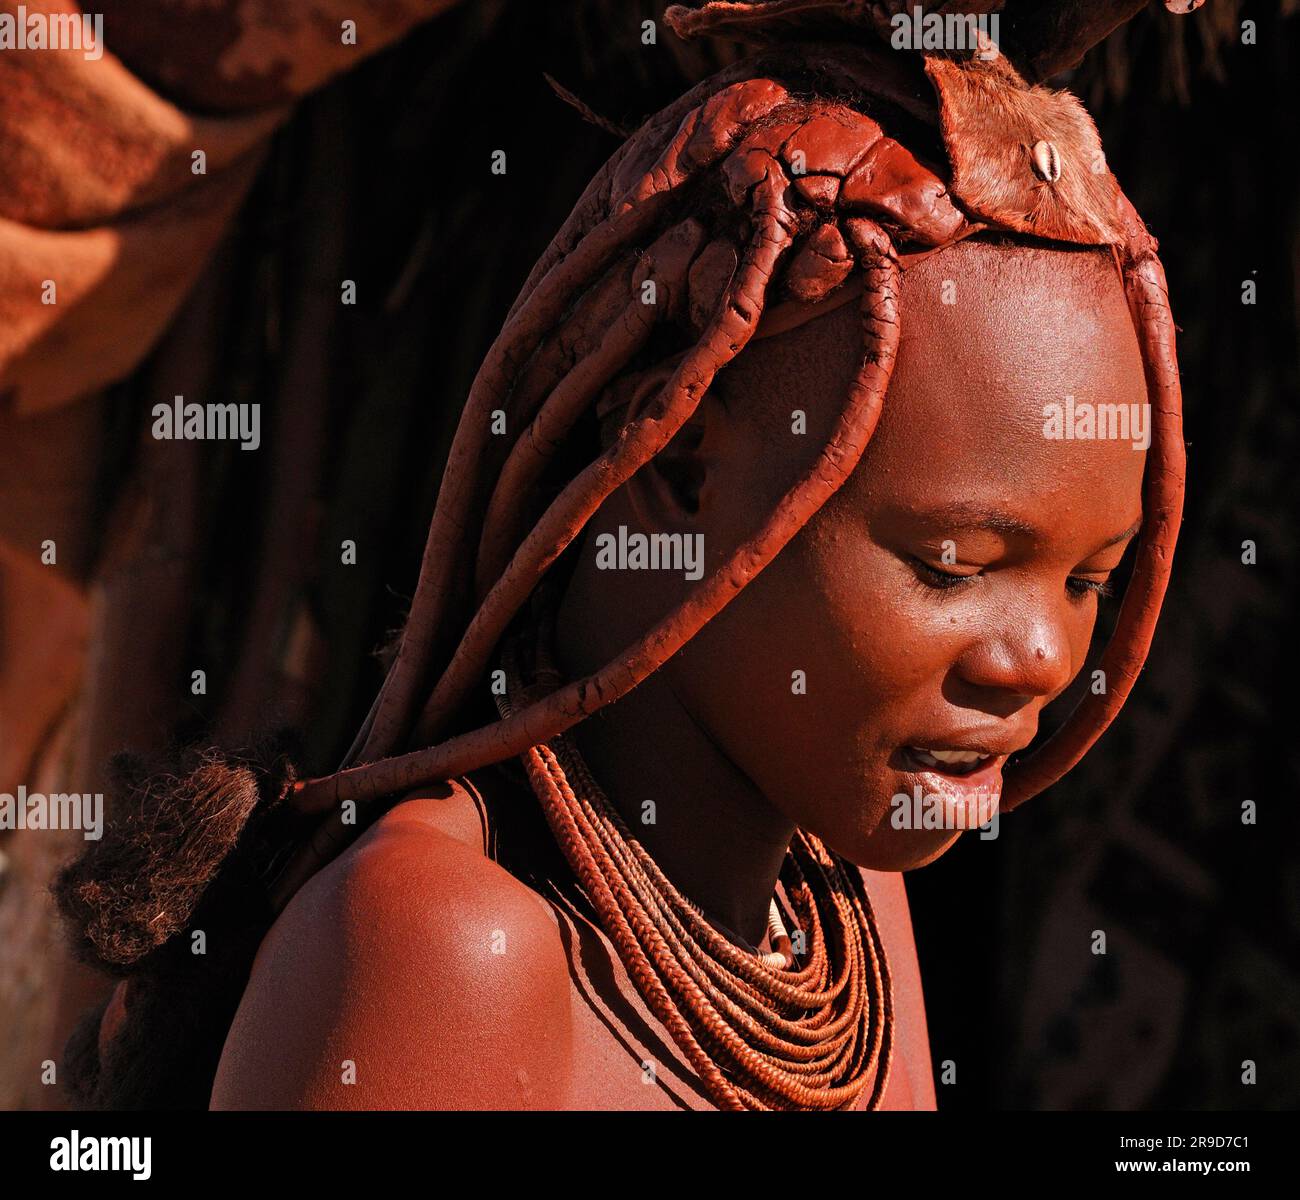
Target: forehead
x=1019 y=320
x=995 y=341
x=991 y=336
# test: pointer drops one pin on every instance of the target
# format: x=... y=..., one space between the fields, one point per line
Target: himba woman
x=627 y=838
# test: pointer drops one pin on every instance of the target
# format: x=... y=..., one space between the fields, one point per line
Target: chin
x=895 y=850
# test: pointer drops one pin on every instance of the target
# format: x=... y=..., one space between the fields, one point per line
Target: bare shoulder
x=412 y=972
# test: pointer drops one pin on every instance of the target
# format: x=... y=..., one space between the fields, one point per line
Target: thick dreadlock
x=766 y=189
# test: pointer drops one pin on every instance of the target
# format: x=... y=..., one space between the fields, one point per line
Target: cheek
x=809 y=664
x=887 y=645
x=878 y=627
x=814 y=674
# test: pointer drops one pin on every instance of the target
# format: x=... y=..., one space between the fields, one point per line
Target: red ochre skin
x=452 y=983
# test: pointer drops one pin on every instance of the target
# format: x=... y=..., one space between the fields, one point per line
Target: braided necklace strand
x=761 y=1031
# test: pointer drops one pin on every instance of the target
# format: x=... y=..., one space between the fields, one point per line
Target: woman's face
x=948 y=591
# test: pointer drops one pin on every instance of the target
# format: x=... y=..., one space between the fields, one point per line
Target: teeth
x=950 y=757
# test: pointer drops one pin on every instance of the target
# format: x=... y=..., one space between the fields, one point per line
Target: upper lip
x=995 y=745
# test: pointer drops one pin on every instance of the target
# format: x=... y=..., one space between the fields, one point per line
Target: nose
x=1021 y=660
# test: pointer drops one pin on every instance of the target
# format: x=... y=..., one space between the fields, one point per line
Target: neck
x=710 y=831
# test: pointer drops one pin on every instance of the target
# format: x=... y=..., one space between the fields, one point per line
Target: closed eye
x=932 y=577
x=1078 y=586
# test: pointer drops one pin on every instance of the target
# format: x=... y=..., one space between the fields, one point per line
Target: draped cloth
x=113 y=194
x=119 y=173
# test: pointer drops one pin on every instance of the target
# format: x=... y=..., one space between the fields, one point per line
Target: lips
x=967 y=792
x=960 y=753
x=964 y=773
x=950 y=762
x=952 y=772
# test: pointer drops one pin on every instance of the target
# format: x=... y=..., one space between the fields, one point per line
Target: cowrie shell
x=1047 y=161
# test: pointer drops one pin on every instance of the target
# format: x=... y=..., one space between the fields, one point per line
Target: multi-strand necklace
x=779 y=1030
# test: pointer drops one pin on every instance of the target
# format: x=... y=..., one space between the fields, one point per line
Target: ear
x=674 y=490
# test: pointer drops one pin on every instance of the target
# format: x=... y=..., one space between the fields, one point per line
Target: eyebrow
x=971 y=516
x=1124 y=537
